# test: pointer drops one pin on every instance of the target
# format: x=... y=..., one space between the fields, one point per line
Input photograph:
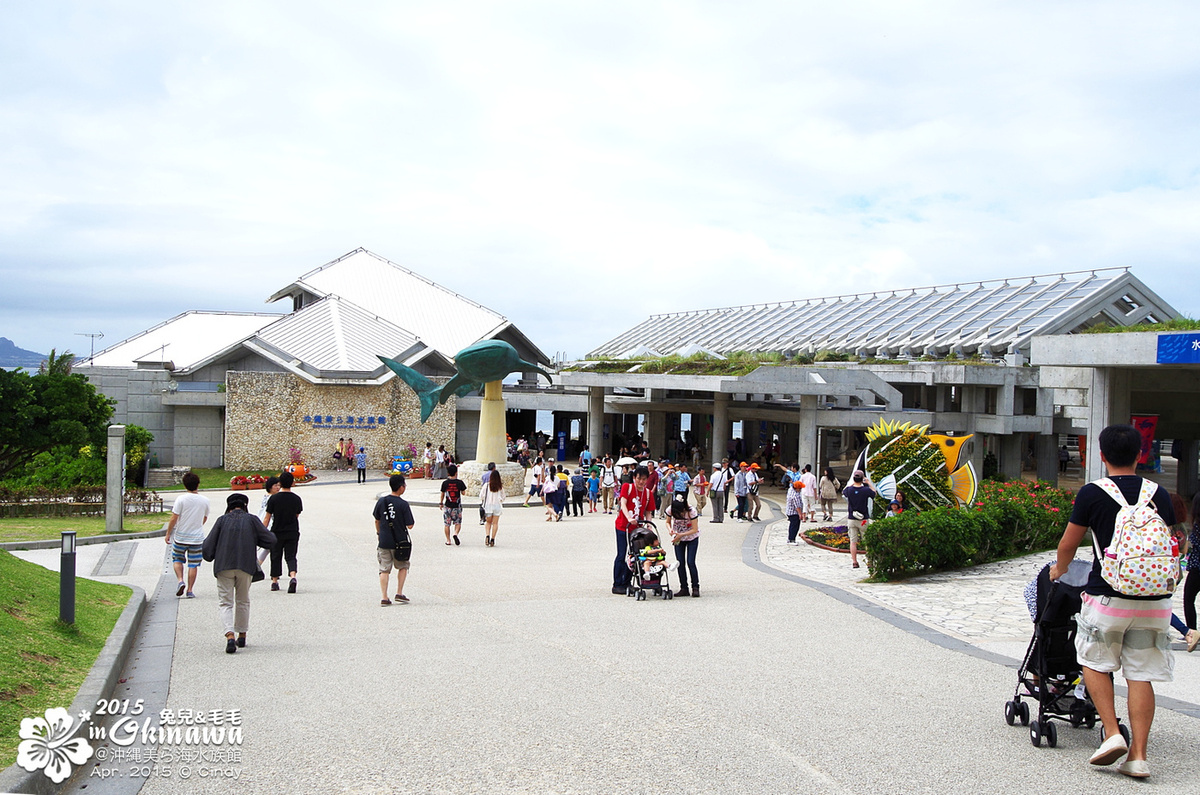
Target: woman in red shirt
x=634 y=504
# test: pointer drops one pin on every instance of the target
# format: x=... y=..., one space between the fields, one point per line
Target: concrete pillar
x=700 y=436
x=720 y=431
x=1005 y=400
x=1108 y=404
x=595 y=420
x=1189 y=468
x=806 y=452
x=1012 y=451
x=941 y=399
x=656 y=432
x=1046 y=450
x=114 y=501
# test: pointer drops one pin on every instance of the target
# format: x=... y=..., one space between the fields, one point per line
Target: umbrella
x=626 y=462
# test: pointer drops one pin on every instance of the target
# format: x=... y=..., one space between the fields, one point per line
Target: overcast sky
x=578 y=166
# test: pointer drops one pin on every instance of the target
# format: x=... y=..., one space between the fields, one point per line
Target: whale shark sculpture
x=476 y=365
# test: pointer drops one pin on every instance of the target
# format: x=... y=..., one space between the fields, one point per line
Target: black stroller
x=1051 y=674
x=639 y=582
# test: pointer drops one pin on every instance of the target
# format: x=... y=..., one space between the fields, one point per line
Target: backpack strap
x=1111 y=489
x=1149 y=489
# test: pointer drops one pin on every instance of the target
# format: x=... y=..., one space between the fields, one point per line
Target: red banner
x=1146 y=424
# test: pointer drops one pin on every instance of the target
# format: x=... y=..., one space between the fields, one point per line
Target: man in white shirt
x=810 y=493
x=608 y=483
x=717 y=484
x=535 y=483
x=185 y=533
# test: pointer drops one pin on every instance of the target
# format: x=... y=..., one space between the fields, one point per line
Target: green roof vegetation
x=735 y=363
x=1178 y=324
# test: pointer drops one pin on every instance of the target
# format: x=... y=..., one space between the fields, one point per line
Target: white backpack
x=1143 y=558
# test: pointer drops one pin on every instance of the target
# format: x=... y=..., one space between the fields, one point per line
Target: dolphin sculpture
x=476 y=365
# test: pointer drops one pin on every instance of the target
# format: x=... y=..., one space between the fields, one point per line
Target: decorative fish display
x=930 y=468
x=476 y=365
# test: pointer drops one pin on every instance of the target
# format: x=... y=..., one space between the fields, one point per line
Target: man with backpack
x=1126 y=608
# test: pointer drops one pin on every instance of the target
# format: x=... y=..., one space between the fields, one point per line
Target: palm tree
x=57 y=365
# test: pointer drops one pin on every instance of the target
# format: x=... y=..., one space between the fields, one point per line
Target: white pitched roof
x=335 y=335
x=992 y=318
x=184 y=340
x=446 y=320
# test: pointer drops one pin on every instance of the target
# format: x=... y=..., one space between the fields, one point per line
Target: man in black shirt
x=1118 y=631
x=451 y=502
x=284 y=508
x=393 y=526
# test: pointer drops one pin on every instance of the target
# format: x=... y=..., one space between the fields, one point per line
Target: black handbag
x=403 y=550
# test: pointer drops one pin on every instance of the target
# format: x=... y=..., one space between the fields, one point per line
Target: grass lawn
x=37 y=528
x=43 y=662
x=219 y=478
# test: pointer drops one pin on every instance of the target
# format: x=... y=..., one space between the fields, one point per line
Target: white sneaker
x=1110 y=750
x=673 y=565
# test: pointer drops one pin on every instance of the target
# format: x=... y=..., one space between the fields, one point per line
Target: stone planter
x=238 y=486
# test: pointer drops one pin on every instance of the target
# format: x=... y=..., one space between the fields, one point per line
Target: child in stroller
x=647 y=558
x=1051 y=674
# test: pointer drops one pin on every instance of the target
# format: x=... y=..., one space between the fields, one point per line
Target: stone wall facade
x=269 y=413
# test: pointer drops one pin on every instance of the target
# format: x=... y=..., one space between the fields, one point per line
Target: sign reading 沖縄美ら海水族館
x=344 y=421
x=1179 y=348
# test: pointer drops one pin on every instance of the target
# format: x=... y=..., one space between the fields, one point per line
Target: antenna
x=99 y=335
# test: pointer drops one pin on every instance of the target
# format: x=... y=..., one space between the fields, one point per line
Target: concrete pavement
x=515 y=670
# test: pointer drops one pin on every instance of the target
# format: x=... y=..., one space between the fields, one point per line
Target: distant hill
x=12 y=356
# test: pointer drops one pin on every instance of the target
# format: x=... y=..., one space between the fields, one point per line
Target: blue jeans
x=793 y=526
x=685 y=553
x=620 y=568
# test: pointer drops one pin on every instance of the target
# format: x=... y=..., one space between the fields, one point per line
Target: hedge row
x=75 y=501
x=1007 y=519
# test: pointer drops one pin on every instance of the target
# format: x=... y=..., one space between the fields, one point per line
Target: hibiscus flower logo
x=46 y=745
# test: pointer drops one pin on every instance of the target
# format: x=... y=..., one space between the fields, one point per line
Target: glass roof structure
x=989 y=318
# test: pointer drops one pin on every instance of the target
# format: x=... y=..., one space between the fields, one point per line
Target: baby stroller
x=1051 y=674
x=639 y=583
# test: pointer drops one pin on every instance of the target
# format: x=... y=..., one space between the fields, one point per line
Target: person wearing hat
x=794 y=508
x=753 y=481
x=716 y=490
x=230 y=547
x=741 y=490
x=858 y=500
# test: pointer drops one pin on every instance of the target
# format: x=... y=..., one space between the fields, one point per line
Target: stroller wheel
x=668 y=595
x=1050 y=732
x=641 y=596
x=1023 y=710
x=1010 y=713
x=1035 y=734
x=1090 y=720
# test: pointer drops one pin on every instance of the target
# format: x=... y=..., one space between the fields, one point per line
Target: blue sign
x=1179 y=348
x=344 y=421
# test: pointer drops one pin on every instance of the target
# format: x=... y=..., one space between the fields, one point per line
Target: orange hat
x=797 y=485
x=754 y=466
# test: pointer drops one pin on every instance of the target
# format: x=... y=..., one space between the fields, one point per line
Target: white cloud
x=578 y=166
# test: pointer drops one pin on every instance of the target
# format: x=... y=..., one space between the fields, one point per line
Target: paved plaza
x=515 y=670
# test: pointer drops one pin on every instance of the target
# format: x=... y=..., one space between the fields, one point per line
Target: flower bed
x=834 y=539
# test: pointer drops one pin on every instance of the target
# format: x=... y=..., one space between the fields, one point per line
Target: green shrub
x=1007 y=519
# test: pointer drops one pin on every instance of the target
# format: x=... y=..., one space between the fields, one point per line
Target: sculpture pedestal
x=512 y=474
x=491 y=443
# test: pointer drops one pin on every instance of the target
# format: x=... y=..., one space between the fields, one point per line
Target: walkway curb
x=103 y=538
x=99 y=684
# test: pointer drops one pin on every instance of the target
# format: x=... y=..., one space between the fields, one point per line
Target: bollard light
x=66 y=579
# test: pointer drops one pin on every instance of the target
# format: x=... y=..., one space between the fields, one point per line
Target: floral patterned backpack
x=1143 y=558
